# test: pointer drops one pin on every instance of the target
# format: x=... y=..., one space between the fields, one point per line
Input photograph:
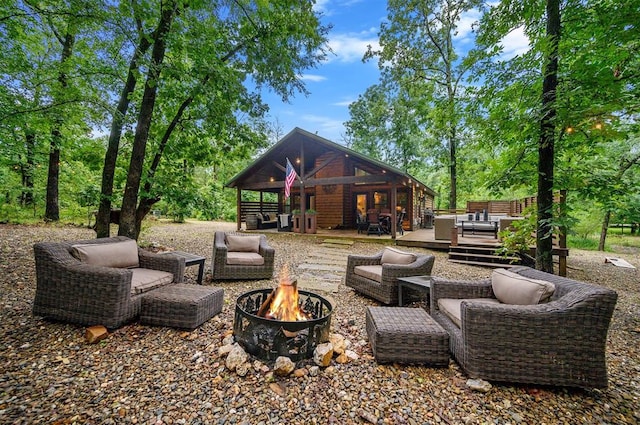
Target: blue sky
x=338 y=81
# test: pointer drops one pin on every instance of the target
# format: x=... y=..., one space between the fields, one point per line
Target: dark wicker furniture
x=406 y=335
x=71 y=291
x=561 y=342
x=181 y=306
x=220 y=270
x=386 y=291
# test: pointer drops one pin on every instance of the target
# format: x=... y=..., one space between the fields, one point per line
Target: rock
x=95 y=334
x=367 y=416
x=314 y=370
x=342 y=358
x=479 y=385
x=228 y=340
x=299 y=373
x=242 y=369
x=283 y=366
x=225 y=349
x=236 y=357
x=322 y=354
x=352 y=355
x=277 y=388
x=338 y=342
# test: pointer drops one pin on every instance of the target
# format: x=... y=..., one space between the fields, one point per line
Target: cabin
x=334 y=182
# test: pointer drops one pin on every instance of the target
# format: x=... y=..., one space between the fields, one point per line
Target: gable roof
x=267 y=172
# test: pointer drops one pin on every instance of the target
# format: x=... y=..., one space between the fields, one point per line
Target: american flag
x=290 y=177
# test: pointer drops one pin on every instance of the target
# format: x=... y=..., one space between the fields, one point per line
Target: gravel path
x=151 y=375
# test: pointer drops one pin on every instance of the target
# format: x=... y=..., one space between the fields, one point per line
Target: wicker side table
x=406 y=335
x=181 y=306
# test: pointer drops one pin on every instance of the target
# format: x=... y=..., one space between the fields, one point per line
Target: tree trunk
x=603 y=231
x=544 y=240
x=128 y=220
x=52 y=209
x=26 y=198
x=111 y=156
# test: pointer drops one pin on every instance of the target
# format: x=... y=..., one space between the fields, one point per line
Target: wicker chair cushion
x=236 y=243
x=512 y=288
x=144 y=280
x=245 y=258
x=451 y=307
x=395 y=256
x=119 y=254
x=370 y=272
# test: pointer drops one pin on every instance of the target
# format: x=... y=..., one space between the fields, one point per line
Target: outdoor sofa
x=377 y=276
x=99 y=281
x=267 y=220
x=526 y=326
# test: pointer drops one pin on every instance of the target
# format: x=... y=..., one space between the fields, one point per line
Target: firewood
x=264 y=308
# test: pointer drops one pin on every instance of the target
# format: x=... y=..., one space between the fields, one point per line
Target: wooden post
x=239 y=208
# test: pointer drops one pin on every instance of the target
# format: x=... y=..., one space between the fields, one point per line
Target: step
x=480 y=263
x=347 y=242
x=470 y=254
x=478 y=250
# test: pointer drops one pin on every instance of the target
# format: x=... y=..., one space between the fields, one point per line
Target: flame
x=286 y=303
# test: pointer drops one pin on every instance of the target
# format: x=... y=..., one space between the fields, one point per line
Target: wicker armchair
x=246 y=268
x=560 y=342
x=70 y=290
x=385 y=291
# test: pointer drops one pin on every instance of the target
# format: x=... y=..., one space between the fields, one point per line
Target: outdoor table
x=418 y=283
x=191 y=260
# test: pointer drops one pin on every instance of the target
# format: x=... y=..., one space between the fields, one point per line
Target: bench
x=479 y=227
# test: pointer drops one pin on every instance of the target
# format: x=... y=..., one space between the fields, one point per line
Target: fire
x=285 y=303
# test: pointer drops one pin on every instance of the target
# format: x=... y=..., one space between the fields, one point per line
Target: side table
x=191 y=260
x=418 y=283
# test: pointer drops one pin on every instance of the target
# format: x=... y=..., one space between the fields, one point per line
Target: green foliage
x=521 y=238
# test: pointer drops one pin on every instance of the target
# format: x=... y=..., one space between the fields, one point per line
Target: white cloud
x=345 y=102
x=465 y=25
x=326 y=127
x=515 y=43
x=350 y=48
x=313 y=77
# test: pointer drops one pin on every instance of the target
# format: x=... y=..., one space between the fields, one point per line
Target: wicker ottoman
x=181 y=306
x=406 y=335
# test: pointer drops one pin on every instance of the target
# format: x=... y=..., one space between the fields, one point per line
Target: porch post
x=303 y=198
x=394 y=213
x=239 y=208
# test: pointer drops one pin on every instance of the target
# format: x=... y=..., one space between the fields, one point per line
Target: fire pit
x=270 y=323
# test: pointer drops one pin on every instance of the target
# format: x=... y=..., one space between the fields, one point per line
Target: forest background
x=175 y=86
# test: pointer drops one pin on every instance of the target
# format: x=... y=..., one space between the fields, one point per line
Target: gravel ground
x=152 y=375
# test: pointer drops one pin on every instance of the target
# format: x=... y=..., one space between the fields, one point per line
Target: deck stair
x=480 y=255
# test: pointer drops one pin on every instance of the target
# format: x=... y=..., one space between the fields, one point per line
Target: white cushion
x=451 y=307
x=117 y=254
x=395 y=256
x=370 y=272
x=512 y=288
x=240 y=243
x=144 y=280
x=244 y=258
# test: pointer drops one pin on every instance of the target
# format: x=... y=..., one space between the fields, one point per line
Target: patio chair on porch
x=361 y=222
x=374 y=222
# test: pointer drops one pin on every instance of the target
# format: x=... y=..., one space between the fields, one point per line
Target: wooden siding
x=330 y=198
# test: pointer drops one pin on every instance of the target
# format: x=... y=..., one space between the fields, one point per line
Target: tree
x=418 y=51
x=577 y=91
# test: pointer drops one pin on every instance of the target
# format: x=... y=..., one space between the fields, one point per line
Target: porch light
x=384 y=171
x=271 y=179
x=569 y=130
x=297 y=160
